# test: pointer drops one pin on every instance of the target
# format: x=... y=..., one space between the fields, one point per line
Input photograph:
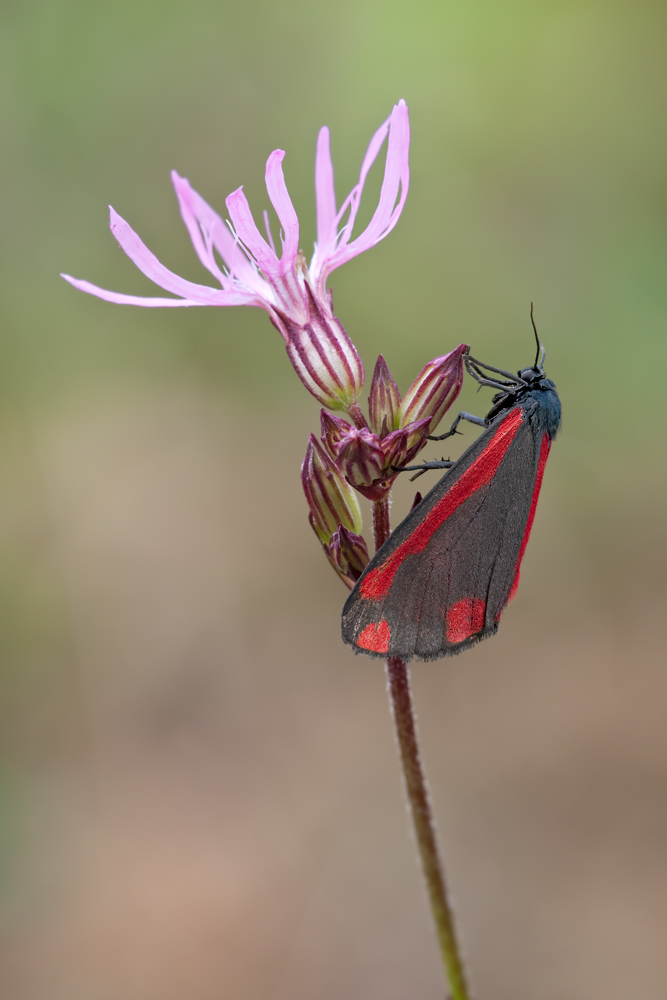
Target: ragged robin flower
x=293 y=293
x=353 y=455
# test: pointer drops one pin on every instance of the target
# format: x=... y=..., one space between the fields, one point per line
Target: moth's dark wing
x=443 y=578
x=452 y=593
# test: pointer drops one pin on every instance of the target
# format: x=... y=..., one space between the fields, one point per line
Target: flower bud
x=401 y=446
x=384 y=400
x=331 y=500
x=348 y=555
x=333 y=429
x=434 y=390
x=323 y=356
x=361 y=458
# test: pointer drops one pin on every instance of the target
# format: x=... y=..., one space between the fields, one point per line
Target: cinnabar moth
x=441 y=581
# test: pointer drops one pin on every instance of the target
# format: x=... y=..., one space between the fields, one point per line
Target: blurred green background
x=198 y=792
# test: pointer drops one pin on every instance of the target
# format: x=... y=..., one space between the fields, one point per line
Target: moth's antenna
x=540 y=345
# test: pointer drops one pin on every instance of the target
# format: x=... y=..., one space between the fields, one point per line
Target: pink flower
x=253 y=274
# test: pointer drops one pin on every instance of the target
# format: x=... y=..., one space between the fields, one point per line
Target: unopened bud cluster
x=335 y=515
x=367 y=455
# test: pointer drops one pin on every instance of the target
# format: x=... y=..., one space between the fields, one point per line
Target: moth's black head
x=531 y=375
x=534 y=378
x=526 y=380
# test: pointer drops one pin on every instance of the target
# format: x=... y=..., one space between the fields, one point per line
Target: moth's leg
x=421 y=469
x=470 y=417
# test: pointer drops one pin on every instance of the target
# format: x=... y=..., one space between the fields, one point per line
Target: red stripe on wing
x=544 y=454
x=377 y=583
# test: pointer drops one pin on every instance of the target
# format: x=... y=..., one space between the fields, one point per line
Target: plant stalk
x=420 y=807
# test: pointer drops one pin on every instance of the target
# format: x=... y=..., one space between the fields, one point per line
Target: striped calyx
x=331 y=500
x=434 y=390
x=334 y=516
x=348 y=554
x=384 y=400
x=322 y=354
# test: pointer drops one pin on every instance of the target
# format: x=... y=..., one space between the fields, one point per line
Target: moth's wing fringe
x=452 y=651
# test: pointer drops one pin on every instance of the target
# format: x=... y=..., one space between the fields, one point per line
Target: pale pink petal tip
x=124 y=300
x=249 y=234
x=334 y=248
x=281 y=201
x=325 y=195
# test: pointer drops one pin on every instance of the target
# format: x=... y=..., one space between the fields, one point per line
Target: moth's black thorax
x=538 y=399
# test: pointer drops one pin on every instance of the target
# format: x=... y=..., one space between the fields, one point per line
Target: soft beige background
x=198 y=794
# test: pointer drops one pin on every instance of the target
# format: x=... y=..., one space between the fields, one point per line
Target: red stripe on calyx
x=465 y=618
x=377 y=583
x=544 y=454
x=375 y=637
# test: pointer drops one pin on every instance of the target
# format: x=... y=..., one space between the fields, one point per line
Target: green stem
x=420 y=807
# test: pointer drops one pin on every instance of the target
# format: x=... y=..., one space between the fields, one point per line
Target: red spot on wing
x=376 y=637
x=465 y=618
x=377 y=583
x=544 y=454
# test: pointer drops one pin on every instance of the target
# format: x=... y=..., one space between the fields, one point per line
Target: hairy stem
x=420 y=807
x=381 y=528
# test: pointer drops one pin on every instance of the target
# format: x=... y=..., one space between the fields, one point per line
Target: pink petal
x=249 y=234
x=201 y=222
x=208 y=231
x=281 y=201
x=354 y=197
x=396 y=177
x=325 y=195
x=149 y=265
x=221 y=298
x=269 y=234
x=388 y=211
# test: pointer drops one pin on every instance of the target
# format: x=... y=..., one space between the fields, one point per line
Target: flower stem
x=381 y=527
x=420 y=807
